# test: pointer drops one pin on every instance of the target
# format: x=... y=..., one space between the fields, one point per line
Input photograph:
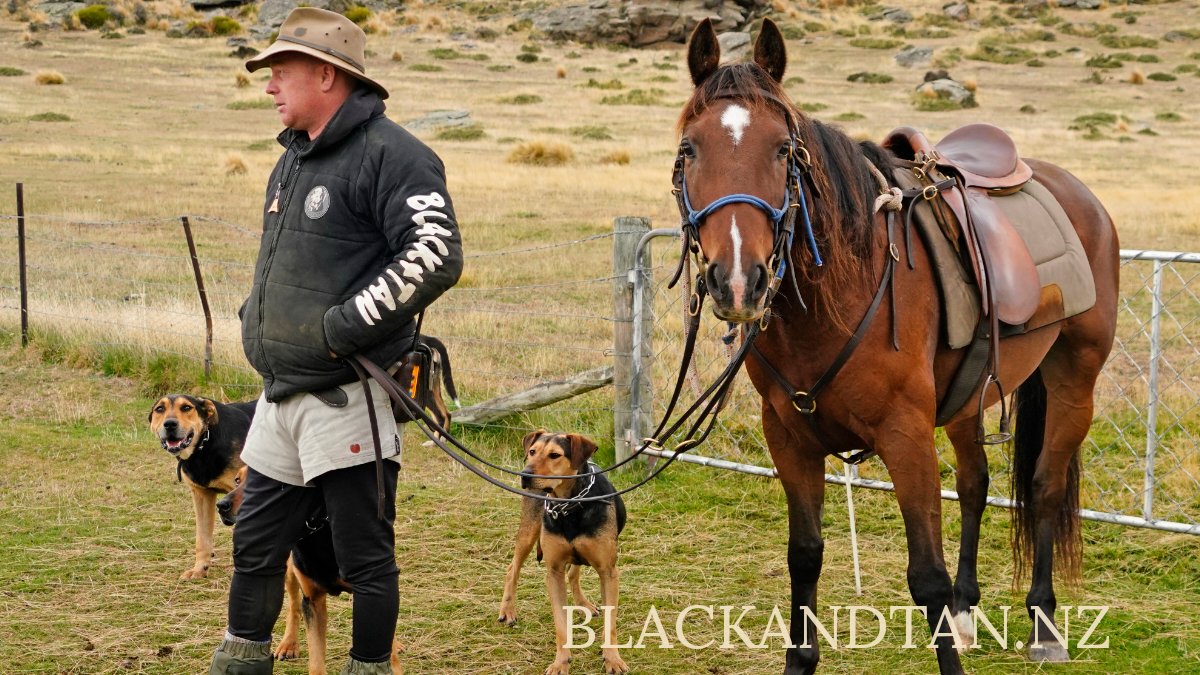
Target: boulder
x=948 y=89
x=58 y=10
x=914 y=57
x=271 y=13
x=959 y=11
x=640 y=23
x=440 y=119
x=734 y=46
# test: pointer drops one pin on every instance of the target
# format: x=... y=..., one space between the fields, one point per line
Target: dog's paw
x=287 y=650
x=559 y=667
x=508 y=616
x=198 y=572
x=615 y=665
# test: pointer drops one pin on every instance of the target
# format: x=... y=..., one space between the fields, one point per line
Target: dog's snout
x=170 y=424
x=527 y=478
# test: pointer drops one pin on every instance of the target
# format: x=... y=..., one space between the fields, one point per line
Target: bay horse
x=741 y=138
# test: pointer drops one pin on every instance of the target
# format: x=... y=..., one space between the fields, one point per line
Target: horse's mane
x=841 y=208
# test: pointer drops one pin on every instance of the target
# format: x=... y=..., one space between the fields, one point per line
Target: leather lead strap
x=379 y=490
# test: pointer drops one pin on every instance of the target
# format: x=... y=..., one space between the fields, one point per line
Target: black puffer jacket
x=359 y=236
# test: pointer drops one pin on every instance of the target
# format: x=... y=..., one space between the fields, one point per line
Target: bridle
x=783 y=219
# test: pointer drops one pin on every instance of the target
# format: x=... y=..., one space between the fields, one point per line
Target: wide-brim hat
x=324 y=35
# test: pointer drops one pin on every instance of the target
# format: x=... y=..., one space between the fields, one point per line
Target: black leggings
x=274 y=515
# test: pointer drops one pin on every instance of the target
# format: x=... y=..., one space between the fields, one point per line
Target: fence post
x=631 y=410
x=208 y=324
x=21 y=264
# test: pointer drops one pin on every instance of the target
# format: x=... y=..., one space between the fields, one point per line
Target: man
x=359 y=236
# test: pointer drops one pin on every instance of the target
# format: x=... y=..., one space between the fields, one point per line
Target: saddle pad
x=1046 y=231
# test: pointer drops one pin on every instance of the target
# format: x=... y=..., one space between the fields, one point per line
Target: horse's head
x=738 y=142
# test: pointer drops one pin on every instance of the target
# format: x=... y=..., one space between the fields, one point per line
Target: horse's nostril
x=716 y=281
x=758 y=282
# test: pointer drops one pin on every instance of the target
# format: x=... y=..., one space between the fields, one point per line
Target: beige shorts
x=302 y=437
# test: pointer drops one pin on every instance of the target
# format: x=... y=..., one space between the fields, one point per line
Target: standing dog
x=206 y=439
x=312 y=576
x=568 y=535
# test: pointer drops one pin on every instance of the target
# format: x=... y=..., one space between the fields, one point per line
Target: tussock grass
x=50 y=117
x=592 y=133
x=1113 y=41
x=617 y=157
x=9 y=71
x=426 y=68
x=541 y=153
x=614 y=83
x=241 y=80
x=235 y=165
x=870 y=78
x=521 y=99
x=50 y=77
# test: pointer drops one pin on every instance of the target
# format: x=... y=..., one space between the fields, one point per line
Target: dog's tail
x=447 y=374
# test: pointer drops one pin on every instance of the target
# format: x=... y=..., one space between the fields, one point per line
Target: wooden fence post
x=632 y=413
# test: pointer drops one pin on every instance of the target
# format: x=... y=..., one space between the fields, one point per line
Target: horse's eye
x=687 y=150
x=785 y=150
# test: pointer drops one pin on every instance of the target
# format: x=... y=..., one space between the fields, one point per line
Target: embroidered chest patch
x=317 y=202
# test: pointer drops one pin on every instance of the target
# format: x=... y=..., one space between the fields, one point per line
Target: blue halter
x=777 y=216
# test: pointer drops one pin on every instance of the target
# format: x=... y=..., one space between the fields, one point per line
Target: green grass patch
x=812 y=106
x=593 y=83
x=875 y=43
x=1113 y=41
x=1104 y=61
x=265 y=144
x=9 y=71
x=636 y=97
x=264 y=103
x=849 y=117
x=1035 y=63
x=522 y=99
x=223 y=25
x=1161 y=77
x=1095 y=119
x=870 y=78
x=525 y=57
x=499 y=68
x=358 y=14
x=426 y=68
x=449 y=54
x=792 y=31
x=592 y=133
x=93 y=16
x=470 y=132
x=49 y=117
x=992 y=52
x=934 y=104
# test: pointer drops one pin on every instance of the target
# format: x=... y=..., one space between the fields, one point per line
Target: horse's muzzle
x=737 y=296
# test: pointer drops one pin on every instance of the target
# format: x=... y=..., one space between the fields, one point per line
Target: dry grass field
x=146 y=128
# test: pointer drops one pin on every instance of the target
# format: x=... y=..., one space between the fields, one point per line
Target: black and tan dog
x=312 y=576
x=206 y=439
x=568 y=535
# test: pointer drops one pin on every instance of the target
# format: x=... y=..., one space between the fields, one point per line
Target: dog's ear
x=704 y=52
x=208 y=411
x=582 y=449
x=770 y=53
x=531 y=437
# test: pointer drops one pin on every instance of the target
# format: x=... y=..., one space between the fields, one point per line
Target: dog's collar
x=556 y=509
x=199 y=447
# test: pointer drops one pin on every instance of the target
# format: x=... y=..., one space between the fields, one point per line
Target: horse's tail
x=1027 y=446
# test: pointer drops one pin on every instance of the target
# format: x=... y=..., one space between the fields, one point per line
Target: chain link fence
x=1142 y=456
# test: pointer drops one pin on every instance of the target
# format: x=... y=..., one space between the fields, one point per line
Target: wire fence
x=529 y=313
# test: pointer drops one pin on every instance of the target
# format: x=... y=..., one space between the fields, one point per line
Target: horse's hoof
x=1052 y=652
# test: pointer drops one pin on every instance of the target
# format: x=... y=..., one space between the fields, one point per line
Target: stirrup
x=1004 y=435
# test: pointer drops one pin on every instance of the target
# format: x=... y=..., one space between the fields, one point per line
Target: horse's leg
x=802 y=474
x=971 y=481
x=905 y=444
x=1067 y=378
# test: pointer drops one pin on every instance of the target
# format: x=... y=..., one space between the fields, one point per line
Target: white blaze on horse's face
x=735 y=119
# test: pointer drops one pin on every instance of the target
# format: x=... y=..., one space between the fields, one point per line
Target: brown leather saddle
x=983 y=159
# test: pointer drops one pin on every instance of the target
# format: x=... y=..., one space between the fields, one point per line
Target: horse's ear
x=704 y=52
x=770 y=53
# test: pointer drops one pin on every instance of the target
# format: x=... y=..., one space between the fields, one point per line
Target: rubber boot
x=356 y=667
x=242 y=658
